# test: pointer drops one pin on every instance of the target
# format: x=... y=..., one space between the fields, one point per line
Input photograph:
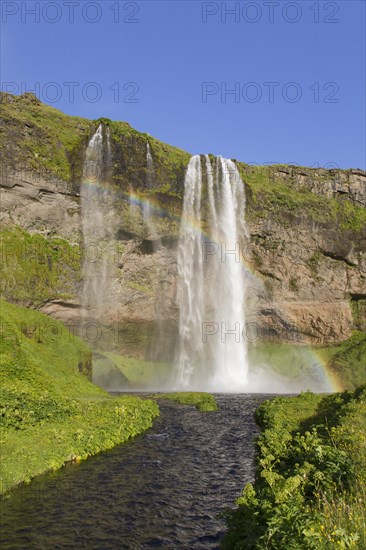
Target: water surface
x=164 y=489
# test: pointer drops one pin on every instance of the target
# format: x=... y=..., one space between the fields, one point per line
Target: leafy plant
x=310 y=476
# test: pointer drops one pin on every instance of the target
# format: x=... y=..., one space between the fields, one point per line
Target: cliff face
x=305 y=259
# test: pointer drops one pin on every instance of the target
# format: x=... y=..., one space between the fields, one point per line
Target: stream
x=163 y=489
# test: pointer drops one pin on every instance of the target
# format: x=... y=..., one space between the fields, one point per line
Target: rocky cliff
x=305 y=259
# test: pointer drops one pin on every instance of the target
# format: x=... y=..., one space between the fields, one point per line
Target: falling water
x=190 y=288
x=211 y=293
x=149 y=167
x=146 y=207
x=95 y=209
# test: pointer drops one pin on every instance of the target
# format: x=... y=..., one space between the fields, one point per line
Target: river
x=163 y=489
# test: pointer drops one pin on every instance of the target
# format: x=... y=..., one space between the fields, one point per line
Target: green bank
x=309 y=490
x=50 y=411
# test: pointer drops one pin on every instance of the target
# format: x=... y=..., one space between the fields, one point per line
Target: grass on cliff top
x=309 y=489
x=204 y=402
x=34 y=268
x=278 y=198
x=50 y=411
x=43 y=138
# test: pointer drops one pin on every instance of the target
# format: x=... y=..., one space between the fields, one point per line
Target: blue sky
x=296 y=70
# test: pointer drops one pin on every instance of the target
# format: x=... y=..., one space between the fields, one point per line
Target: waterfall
x=212 y=351
x=149 y=167
x=190 y=284
x=146 y=207
x=95 y=209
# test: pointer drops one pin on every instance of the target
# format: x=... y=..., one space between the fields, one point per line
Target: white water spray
x=211 y=293
x=95 y=208
x=190 y=286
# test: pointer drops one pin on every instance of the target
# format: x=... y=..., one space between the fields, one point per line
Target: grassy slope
x=138 y=372
x=347 y=360
x=34 y=268
x=309 y=491
x=46 y=398
x=43 y=138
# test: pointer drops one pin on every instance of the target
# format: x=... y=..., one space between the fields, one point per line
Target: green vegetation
x=50 y=412
x=143 y=289
x=313 y=263
x=293 y=285
x=39 y=138
x=34 y=269
x=286 y=359
x=204 y=402
x=42 y=138
x=279 y=199
x=358 y=307
x=347 y=361
x=137 y=371
x=309 y=490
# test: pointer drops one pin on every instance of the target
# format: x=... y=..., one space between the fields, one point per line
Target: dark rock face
x=304 y=269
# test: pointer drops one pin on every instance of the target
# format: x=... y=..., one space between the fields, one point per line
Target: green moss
x=43 y=139
x=204 y=402
x=293 y=285
x=313 y=263
x=143 y=289
x=358 y=307
x=130 y=148
x=50 y=412
x=35 y=268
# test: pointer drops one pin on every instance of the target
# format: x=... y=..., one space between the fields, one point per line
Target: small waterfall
x=149 y=167
x=96 y=208
x=211 y=293
x=146 y=207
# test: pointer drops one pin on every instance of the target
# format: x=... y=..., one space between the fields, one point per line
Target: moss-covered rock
x=35 y=268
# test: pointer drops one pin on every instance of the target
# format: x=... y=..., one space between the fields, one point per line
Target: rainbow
x=327 y=380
